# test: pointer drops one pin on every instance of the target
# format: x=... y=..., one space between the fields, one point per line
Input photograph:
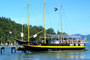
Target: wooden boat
x=56 y=45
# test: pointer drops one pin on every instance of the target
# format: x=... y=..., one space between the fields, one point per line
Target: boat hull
x=51 y=48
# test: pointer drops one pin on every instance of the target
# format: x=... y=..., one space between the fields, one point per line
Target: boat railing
x=65 y=39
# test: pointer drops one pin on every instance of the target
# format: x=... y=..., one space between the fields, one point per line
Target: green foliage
x=50 y=31
x=6 y=24
x=61 y=33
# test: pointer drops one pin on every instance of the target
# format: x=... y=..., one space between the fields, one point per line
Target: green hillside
x=6 y=25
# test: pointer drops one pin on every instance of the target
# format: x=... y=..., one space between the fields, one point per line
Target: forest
x=7 y=25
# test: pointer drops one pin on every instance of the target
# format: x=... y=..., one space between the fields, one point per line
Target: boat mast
x=44 y=25
x=22 y=35
x=61 y=24
x=28 y=17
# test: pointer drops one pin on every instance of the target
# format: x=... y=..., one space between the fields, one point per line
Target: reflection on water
x=51 y=55
x=62 y=54
x=55 y=55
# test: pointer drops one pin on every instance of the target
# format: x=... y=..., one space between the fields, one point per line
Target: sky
x=75 y=14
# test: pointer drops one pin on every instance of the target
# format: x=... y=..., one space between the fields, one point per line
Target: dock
x=14 y=48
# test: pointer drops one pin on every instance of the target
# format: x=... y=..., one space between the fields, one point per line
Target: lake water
x=53 y=55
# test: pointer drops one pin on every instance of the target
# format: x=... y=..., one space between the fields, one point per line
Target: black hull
x=53 y=47
x=20 y=41
x=35 y=49
x=49 y=47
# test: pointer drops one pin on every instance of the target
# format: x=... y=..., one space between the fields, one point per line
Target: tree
x=60 y=33
x=50 y=31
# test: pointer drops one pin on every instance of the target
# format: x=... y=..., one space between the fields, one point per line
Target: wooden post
x=2 y=50
x=13 y=49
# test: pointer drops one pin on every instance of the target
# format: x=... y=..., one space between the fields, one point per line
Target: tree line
x=6 y=25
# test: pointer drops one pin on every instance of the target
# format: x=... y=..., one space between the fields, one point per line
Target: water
x=53 y=55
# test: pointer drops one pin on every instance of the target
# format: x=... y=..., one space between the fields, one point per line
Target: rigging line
x=51 y=15
x=49 y=20
x=68 y=25
x=36 y=33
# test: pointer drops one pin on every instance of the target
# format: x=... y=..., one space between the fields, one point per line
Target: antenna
x=85 y=39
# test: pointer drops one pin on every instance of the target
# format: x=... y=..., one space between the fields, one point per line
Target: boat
x=64 y=43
